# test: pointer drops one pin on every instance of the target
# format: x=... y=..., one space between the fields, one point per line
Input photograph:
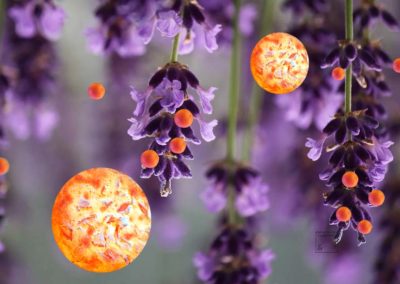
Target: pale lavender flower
x=316 y=147
x=38 y=18
x=262 y=261
x=169 y=23
x=253 y=198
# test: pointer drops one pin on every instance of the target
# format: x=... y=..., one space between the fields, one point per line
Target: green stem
x=234 y=86
x=175 y=45
x=233 y=110
x=349 y=70
x=256 y=92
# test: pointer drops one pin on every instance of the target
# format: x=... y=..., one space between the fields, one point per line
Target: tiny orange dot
x=396 y=65
x=177 y=145
x=350 y=179
x=343 y=214
x=183 y=118
x=376 y=197
x=149 y=159
x=96 y=91
x=4 y=166
x=364 y=227
x=338 y=73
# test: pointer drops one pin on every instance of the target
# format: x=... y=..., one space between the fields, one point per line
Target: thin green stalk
x=349 y=70
x=233 y=109
x=234 y=86
x=257 y=92
x=175 y=45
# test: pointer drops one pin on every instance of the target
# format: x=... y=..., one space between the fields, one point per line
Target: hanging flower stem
x=175 y=45
x=349 y=70
x=233 y=108
x=257 y=92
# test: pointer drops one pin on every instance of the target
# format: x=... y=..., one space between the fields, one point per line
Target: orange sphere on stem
x=350 y=179
x=177 y=145
x=183 y=118
x=396 y=65
x=96 y=91
x=149 y=159
x=4 y=166
x=343 y=214
x=364 y=227
x=338 y=73
x=376 y=197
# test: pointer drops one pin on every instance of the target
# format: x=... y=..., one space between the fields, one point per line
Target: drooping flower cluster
x=360 y=146
x=28 y=66
x=127 y=26
x=233 y=258
x=165 y=111
x=316 y=100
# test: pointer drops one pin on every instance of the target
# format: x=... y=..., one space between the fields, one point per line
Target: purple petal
x=206 y=96
x=207 y=129
x=262 y=261
x=186 y=43
x=52 y=22
x=136 y=129
x=131 y=44
x=210 y=38
x=24 y=21
x=205 y=266
x=253 y=198
x=95 y=40
x=316 y=147
x=146 y=31
x=214 y=198
x=140 y=99
x=169 y=23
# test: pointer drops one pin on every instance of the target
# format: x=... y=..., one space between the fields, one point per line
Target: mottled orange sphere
x=177 y=145
x=96 y=91
x=101 y=220
x=338 y=73
x=149 y=159
x=279 y=63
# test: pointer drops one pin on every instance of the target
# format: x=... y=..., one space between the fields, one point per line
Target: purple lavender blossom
x=30 y=65
x=34 y=17
x=233 y=259
x=167 y=93
x=251 y=192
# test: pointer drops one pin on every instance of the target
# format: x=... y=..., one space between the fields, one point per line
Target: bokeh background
x=93 y=134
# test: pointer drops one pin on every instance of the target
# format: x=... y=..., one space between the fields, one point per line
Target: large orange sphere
x=101 y=220
x=279 y=63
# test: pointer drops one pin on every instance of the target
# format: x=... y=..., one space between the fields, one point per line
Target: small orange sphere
x=396 y=65
x=376 y=197
x=338 y=73
x=96 y=91
x=350 y=179
x=4 y=166
x=183 y=118
x=177 y=145
x=364 y=227
x=343 y=214
x=149 y=159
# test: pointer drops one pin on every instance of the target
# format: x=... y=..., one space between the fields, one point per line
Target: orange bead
x=364 y=227
x=177 y=145
x=396 y=65
x=96 y=91
x=376 y=197
x=149 y=159
x=350 y=179
x=4 y=166
x=338 y=73
x=183 y=118
x=343 y=214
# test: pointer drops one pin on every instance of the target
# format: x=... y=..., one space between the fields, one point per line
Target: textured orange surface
x=101 y=220
x=279 y=63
